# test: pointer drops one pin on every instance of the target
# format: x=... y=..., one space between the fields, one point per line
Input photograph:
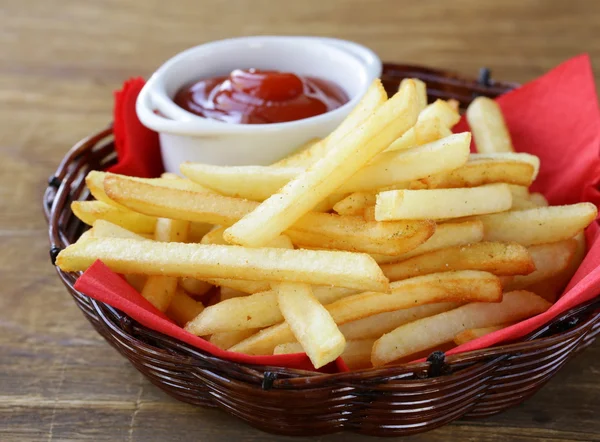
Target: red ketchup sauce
x=260 y=97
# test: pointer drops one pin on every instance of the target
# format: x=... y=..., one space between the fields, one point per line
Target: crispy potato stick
x=95 y=182
x=495 y=257
x=254 y=311
x=421 y=88
x=351 y=270
x=105 y=229
x=312 y=325
x=343 y=160
x=356 y=355
x=183 y=307
x=436 y=330
x=538 y=199
x=551 y=288
x=371 y=101
x=427 y=131
x=348 y=233
x=376 y=325
x=459 y=286
x=136 y=281
x=522 y=204
x=265 y=341
x=442 y=110
x=90 y=211
x=398 y=167
x=485 y=171
x=391 y=168
x=229 y=293
x=355 y=203
x=227 y=340
x=216 y=237
x=538 y=226
x=520 y=192
x=442 y=203
x=446 y=235
x=487 y=124
x=195 y=287
x=509 y=156
x=241 y=285
x=550 y=259
x=463 y=286
x=474 y=333
x=159 y=290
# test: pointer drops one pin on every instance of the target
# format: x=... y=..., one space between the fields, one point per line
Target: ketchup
x=260 y=97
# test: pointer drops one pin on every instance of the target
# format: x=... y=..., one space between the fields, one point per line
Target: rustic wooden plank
x=60 y=62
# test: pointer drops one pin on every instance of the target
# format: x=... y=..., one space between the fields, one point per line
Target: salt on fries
x=298 y=256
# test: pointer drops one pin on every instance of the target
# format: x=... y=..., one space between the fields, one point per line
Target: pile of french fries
x=379 y=243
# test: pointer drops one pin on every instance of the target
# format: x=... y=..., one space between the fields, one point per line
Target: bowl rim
x=191 y=124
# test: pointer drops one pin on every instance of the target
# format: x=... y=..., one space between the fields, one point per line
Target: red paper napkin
x=555 y=117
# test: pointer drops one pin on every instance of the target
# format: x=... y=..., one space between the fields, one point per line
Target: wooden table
x=61 y=61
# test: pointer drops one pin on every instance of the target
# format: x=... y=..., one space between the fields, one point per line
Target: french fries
x=467 y=247
x=91 y=211
x=371 y=101
x=540 y=225
x=435 y=330
x=375 y=326
x=487 y=124
x=474 y=333
x=344 y=233
x=310 y=322
x=442 y=203
x=550 y=259
x=495 y=257
x=299 y=196
x=351 y=270
x=517 y=170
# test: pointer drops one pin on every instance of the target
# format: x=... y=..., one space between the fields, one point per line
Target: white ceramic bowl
x=187 y=137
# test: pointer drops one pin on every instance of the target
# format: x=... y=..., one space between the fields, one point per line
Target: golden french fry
x=540 y=225
x=254 y=311
x=488 y=126
x=288 y=348
x=353 y=232
x=355 y=203
x=388 y=169
x=550 y=259
x=371 y=101
x=509 y=156
x=538 y=199
x=299 y=196
x=195 y=287
x=106 y=229
x=312 y=325
x=226 y=340
x=242 y=285
x=494 y=257
x=421 y=88
x=446 y=235
x=159 y=290
x=442 y=110
x=183 y=308
x=229 y=293
x=474 y=333
x=458 y=286
x=427 y=333
x=91 y=211
x=462 y=286
x=351 y=270
x=376 y=325
x=481 y=172
x=136 y=281
x=442 y=203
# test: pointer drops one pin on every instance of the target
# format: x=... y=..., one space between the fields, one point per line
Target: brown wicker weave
x=392 y=401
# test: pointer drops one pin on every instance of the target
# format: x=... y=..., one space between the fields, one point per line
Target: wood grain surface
x=60 y=61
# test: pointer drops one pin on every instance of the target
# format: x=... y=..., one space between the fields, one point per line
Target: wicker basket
x=393 y=401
